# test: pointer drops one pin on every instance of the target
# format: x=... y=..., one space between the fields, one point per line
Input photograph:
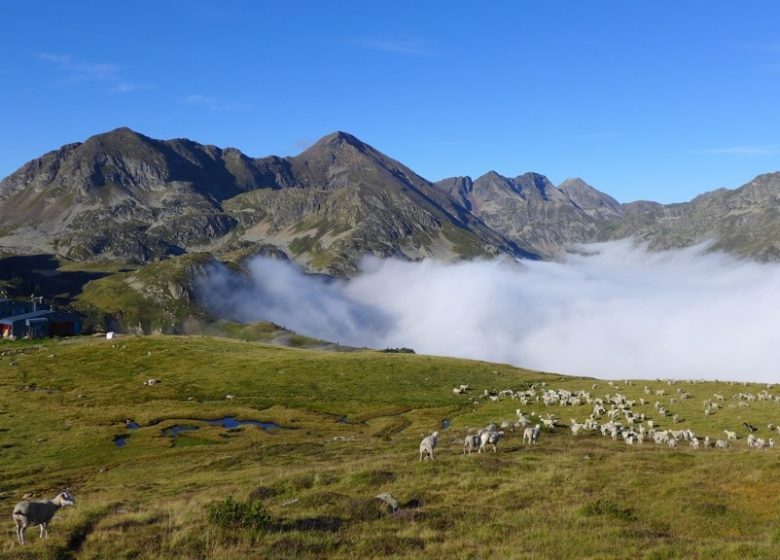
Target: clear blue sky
x=654 y=100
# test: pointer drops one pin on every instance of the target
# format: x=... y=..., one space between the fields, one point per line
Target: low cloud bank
x=610 y=310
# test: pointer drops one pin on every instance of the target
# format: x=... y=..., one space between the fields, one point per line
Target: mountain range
x=122 y=196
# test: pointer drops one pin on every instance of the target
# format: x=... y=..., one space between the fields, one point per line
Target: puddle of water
x=120 y=441
x=445 y=424
x=229 y=422
x=132 y=425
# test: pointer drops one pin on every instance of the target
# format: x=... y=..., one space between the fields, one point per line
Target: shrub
x=235 y=515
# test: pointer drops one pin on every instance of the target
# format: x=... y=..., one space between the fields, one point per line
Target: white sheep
x=471 y=442
x=41 y=512
x=491 y=438
x=730 y=436
x=427 y=445
x=531 y=435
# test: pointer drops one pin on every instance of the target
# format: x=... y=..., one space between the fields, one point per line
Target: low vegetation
x=341 y=428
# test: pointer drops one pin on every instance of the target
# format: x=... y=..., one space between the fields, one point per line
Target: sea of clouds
x=611 y=310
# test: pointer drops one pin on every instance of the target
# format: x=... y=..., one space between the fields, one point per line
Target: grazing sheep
x=427 y=445
x=771 y=443
x=721 y=444
x=471 y=442
x=730 y=436
x=491 y=438
x=522 y=418
x=531 y=435
x=749 y=427
x=151 y=382
x=41 y=512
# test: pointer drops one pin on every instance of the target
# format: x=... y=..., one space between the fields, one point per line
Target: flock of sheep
x=622 y=422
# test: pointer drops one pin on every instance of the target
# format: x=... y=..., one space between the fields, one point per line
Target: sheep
x=151 y=382
x=721 y=444
x=491 y=438
x=771 y=443
x=493 y=398
x=427 y=445
x=549 y=422
x=730 y=436
x=41 y=512
x=471 y=442
x=531 y=435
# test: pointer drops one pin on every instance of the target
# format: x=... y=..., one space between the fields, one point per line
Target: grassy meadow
x=349 y=426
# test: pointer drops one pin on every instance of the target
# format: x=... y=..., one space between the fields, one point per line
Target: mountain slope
x=531 y=211
x=125 y=196
x=350 y=199
x=743 y=221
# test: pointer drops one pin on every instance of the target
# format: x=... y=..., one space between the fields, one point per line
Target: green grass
x=62 y=402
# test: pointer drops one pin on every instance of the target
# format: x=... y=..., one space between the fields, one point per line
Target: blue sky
x=653 y=100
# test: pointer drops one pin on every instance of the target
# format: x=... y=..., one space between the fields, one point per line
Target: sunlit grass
x=62 y=403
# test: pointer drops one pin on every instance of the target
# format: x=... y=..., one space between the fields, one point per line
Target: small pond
x=231 y=422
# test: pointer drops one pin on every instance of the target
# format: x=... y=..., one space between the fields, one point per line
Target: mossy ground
x=354 y=421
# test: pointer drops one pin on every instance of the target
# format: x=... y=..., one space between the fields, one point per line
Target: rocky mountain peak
x=593 y=202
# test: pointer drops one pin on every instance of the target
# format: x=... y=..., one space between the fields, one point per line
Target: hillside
x=340 y=428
